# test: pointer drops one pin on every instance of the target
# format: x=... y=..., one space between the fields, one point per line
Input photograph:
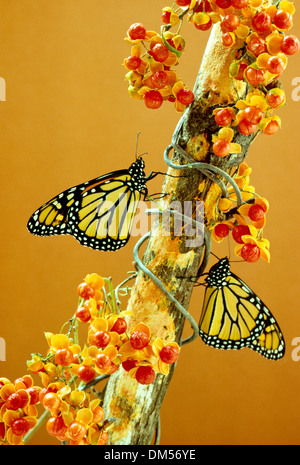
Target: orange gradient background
x=68 y=118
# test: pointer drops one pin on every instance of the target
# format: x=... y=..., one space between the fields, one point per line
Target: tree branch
x=136 y=407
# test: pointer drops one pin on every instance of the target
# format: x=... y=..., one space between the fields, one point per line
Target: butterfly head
x=218 y=272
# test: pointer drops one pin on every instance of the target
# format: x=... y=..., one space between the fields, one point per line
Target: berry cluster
x=248 y=221
x=150 y=74
x=18 y=411
x=69 y=367
x=259 y=61
x=256 y=30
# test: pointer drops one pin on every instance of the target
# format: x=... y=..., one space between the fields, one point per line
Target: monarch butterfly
x=98 y=213
x=233 y=316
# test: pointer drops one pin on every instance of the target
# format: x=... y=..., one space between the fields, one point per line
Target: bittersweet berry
x=145 y=375
x=20 y=426
x=250 y=253
x=222 y=230
x=239 y=231
x=86 y=373
x=262 y=22
x=290 y=45
x=137 y=31
x=153 y=99
x=139 y=340
x=169 y=354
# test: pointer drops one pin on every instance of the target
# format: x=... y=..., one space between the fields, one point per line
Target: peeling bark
x=135 y=407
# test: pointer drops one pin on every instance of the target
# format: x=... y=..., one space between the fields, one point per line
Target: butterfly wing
x=231 y=315
x=102 y=216
x=52 y=217
x=234 y=317
x=98 y=213
x=270 y=344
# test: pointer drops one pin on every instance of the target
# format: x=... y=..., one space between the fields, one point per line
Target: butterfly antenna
x=216 y=256
x=137 y=144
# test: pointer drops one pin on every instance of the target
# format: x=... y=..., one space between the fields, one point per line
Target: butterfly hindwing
x=270 y=344
x=52 y=217
x=98 y=213
x=234 y=317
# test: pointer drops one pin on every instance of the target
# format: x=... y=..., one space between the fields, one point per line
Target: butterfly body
x=98 y=213
x=234 y=317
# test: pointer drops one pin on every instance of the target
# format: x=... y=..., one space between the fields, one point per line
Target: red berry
x=45 y=391
x=153 y=99
x=290 y=45
x=103 y=361
x=20 y=426
x=183 y=2
x=227 y=39
x=165 y=17
x=145 y=375
x=275 y=65
x=275 y=100
x=139 y=340
x=185 y=96
x=13 y=402
x=169 y=354
x=51 y=401
x=83 y=314
x=223 y=4
x=137 y=31
x=257 y=45
x=254 y=76
x=25 y=380
x=203 y=6
x=283 y=20
x=221 y=148
x=56 y=426
x=250 y=253
x=85 y=291
x=133 y=62
x=246 y=128
x=128 y=364
x=34 y=393
x=230 y=23
x=256 y=212
x=222 y=230
x=224 y=117
x=261 y=22
x=159 y=52
x=63 y=357
x=86 y=373
x=76 y=431
x=239 y=4
x=120 y=326
x=253 y=115
x=239 y=231
x=271 y=128
x=204 y=27
x=23 y=398
x=101 y=339
x=159 y=79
